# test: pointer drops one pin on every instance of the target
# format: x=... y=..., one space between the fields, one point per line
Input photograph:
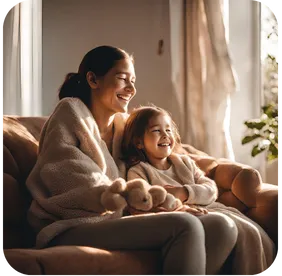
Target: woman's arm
x=71 y=171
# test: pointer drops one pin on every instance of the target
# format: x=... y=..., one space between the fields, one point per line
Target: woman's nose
x=130 y=88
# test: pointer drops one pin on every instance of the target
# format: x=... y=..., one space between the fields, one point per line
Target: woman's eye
x=156 y=130
x=168 y=130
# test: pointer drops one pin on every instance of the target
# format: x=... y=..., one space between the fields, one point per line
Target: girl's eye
x=124 y=79
x=156 y=130
x=168 y=130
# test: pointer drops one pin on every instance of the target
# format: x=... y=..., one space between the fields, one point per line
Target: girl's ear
x=140 y=145
x=92 y=80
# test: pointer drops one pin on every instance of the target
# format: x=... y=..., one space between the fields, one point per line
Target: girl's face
x=158 y=140
x=115 y=90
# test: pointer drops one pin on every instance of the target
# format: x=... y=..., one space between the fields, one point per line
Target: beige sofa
x=239 y=186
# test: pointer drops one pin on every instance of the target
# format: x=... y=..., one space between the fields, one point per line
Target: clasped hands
x=180 y=193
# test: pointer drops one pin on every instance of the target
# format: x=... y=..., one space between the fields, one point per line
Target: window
x=269 y=55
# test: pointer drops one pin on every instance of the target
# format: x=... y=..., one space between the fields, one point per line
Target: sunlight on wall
x=269 y=33
x=31 y=57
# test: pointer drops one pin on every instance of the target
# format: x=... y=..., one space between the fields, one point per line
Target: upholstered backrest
x=20 y=144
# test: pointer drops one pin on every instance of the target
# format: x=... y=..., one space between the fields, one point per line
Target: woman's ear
x=92 y=80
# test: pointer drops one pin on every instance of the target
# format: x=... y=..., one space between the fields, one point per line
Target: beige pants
x=189 y=244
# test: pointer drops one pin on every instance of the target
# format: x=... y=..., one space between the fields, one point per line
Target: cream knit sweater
x=73 y=168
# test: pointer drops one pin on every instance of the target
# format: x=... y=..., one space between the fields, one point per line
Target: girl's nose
x=164 y=134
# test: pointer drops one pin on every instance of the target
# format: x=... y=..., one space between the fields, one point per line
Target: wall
x=71 y=28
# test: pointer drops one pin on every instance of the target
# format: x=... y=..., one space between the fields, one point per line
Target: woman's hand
x=178 y=192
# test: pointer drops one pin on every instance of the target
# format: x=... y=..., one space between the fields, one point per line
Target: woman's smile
x=125 y=97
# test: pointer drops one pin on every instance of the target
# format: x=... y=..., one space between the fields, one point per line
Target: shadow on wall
x=271 y=174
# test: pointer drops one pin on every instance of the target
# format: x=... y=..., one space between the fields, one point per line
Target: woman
x=78 y=157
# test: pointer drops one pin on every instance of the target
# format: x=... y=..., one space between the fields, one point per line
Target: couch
x=239 y=186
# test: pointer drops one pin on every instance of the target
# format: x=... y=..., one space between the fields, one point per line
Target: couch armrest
x=243 y=181
x=241 y=186
x=266 y=211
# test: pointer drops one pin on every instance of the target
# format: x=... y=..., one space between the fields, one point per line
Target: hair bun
x=72 y=77
x=70 y=87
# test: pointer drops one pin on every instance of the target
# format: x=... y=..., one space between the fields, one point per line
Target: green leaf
x=255 y=123
x=249 y=138
x=271 y=157
x=271 y=110
x=273 y=149
x=256 y=150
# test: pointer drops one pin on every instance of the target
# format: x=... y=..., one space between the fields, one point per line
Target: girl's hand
x=194 y=210
x=178 y=192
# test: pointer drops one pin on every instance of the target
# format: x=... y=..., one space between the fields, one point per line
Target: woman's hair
x=99 y=61
x=134 y=132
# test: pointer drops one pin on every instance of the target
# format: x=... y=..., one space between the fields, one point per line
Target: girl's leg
x=179 y=236
x=221 y=235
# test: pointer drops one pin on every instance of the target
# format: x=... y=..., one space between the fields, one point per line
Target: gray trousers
x=188 y=244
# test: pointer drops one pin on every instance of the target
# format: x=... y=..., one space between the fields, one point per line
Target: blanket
x=73 y=168
x=254 y=251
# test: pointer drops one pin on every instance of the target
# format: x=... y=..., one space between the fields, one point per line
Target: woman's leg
x=179 y=236
x=221 y=236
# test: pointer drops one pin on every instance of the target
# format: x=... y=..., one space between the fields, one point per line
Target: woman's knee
x=186 y=222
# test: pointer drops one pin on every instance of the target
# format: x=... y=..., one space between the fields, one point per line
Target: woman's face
x=115 y=90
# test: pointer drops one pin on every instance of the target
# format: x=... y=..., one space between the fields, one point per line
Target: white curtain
x=209 y=79
x=23 y=59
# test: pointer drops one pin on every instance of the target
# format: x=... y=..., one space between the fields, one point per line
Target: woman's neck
x=103 y=118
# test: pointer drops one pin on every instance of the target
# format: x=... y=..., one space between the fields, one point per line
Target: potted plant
x=265 y=131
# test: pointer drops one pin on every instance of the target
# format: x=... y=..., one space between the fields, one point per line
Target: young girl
x=149 y=147
x=150 y=139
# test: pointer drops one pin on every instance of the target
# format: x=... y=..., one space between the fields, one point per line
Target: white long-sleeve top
x=183 y=172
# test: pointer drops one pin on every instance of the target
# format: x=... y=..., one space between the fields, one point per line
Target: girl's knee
x=223 y=225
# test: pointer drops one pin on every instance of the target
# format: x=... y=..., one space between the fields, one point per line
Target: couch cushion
x=82 y=260
x=12 y=209
x=11 y=237
x=20 y=145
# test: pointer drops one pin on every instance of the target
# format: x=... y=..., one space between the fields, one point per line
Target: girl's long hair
x=134 y=132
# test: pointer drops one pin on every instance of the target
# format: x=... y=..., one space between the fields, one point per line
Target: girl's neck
x=160 y=164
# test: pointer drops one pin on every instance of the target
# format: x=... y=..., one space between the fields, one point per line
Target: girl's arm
x=204 y=190
x=178 y=192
